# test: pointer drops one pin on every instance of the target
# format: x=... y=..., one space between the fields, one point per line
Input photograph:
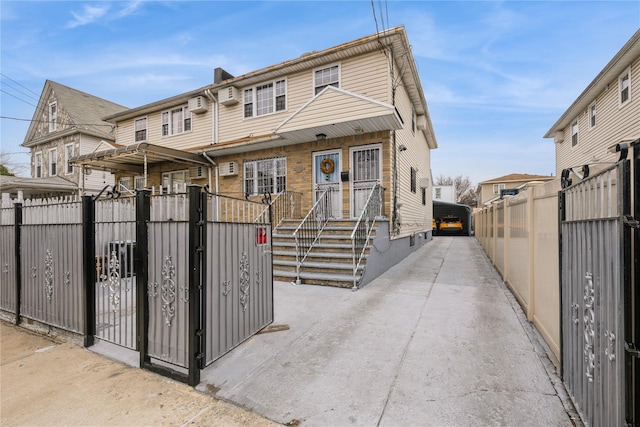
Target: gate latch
x=630 y=221
x=632 y=349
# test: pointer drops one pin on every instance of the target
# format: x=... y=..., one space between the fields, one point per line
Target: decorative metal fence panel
x=592 y=286
x=51 y=270
x=239 y=285
x=115 y=234
x=168 y=279
x=8 y=260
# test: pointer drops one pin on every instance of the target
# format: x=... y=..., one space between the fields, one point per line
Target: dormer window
x=324 y=77
x=53 y=116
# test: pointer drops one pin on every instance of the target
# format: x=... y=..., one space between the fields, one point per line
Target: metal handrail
x=284 y=205
x=363 y=228
x=308 y=232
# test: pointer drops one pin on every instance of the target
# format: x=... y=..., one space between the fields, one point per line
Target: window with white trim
x=438 y=193
x=138 y=182
x=497 y=188
x=176 y=121
x=37 y=161
x=176 y=181
x=68 y=154
x=265 y=98
x=141 y=129
x=124 y=185
x=265 y=176
x=624 y=87
x=53 y=116
x=574 y=133
x=53 y=162
x=592 y=116
x=413 y=119
x=324 y=77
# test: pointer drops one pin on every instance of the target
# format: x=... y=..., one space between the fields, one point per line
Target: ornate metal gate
x=115 y=288
x=596 y=296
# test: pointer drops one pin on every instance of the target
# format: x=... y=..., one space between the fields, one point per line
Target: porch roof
x=133 y=158
x=36 y=186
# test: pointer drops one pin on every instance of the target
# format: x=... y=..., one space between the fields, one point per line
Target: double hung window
x=175 y=121
x=624 y=87
x=37 y=165
x=141 y=129
x=574 y=133
x=265 y=176
x=53 y=162
x=68 y=154
x=329 y=76
x=53 y=116
x=592 y=116
x=265 y=99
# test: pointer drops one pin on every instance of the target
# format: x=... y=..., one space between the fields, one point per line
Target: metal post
x=89 y=269
x=143 y=215
x=18 y=267
x=561 y=218
x=196 y=249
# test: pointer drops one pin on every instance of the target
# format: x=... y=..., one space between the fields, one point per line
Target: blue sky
x=496 y=74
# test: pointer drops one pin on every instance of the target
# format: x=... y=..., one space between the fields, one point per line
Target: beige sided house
x=65 y=124
x=490 y=189
x=334 y=123
x=606 y=113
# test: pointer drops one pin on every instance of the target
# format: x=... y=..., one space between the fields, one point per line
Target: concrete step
x=338 y=280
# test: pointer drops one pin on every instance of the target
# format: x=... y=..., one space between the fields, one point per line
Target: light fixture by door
x=321 y=137
x=402 y=147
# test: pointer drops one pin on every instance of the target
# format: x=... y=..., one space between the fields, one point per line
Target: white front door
x=366 y=172
x=326 y=176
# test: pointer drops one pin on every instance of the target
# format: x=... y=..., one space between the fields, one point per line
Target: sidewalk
x=435 y=341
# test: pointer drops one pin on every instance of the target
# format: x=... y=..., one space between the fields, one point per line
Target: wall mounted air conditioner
x=196 y=172
x=198 y=104
x=228 y=168
x=424 y=182
x=421 y=122
x=229 y=96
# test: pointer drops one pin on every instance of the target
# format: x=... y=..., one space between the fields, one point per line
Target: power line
x=9 y=78
x=48 y=121
x=19 y=99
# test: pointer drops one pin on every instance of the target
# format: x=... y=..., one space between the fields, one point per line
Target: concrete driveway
x=437 y=340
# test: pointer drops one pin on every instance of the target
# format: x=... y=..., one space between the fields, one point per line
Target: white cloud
x=88 y=15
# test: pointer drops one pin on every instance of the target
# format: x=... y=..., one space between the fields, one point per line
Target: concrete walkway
x=437 y=341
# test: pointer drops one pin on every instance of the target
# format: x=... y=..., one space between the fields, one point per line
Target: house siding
x=613 y=123
x=96 y=180
x=414 y=216
x=200 y=134
x=365 y=75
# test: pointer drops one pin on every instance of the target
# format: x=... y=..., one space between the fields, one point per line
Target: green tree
x=5 y=171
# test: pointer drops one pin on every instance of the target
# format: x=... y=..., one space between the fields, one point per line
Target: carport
x=441 y=209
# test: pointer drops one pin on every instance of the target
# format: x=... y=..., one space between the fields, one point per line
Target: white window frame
x=593 y=115
x=139 y=182
x=53 y=161
x=317 y=88
x=173 y=126
x=276 y=183
x=250 y=99
x=68 y=154
x=622 y=87
x=53 y=115
x=140 y=125
x=575 y=130
x=170 y=186
x=124 y=184
x=498 y=187
x=37 y=164
x=438 y=194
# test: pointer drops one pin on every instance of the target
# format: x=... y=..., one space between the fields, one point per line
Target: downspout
x=214 y=137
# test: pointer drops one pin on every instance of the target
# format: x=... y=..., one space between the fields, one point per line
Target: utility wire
x=48 y=121
x=18 y=98
x=9 y=78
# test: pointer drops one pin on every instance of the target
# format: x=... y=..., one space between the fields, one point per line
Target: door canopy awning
x=135 y=158
x=335 y=113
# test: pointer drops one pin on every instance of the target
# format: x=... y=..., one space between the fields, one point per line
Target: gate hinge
x=632 y=349
x=199 y=332
x=630 y=221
